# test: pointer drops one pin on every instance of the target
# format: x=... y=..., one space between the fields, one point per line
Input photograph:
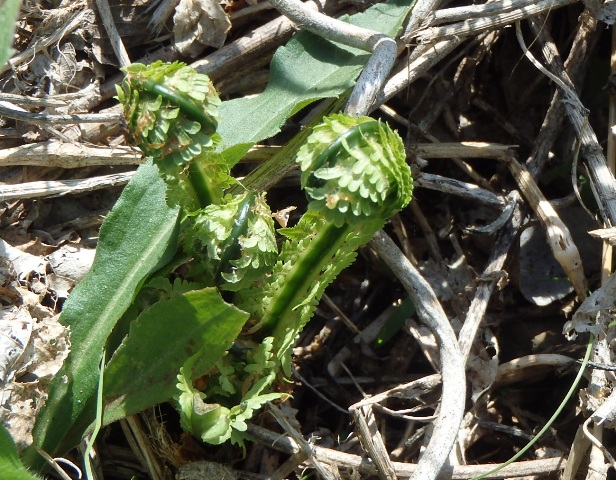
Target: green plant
x=8 y=13
x=355 y=174
x=177 y=208
x=10 y=465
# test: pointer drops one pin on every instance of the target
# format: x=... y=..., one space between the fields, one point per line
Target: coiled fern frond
x=354 y=169
x=171 y=110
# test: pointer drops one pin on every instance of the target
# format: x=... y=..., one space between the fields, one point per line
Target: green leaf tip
x=171 y=110
x=354 y=168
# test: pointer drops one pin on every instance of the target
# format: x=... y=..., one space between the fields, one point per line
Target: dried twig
x=306 y=448
x=62 y=187
x=461 y=189
x=405 y=470
x=12 y=112
x=473 y=26
x=466 y=12
x=68 y=155
x=452 y=367
x=112 y=32
x=372 y=442
x=461 y=150
x=602 y=179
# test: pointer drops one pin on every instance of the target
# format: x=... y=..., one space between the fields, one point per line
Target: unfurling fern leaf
x=172 y=115
x=355 y=174
x=171 y=110
x=238 y=237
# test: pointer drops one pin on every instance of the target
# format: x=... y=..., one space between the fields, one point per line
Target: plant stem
x=203 y=192
x=301 y=277
x=231 y=247
x=208 y=124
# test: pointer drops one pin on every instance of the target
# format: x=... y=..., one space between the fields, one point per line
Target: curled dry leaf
x=482 y=364
x=589 y=318
x=199 y=24
x=69 y=264
x=15 y=331
x=37 y=347
x=42 y=357
x=542 y=279
x=21 y=264
x=559 y=238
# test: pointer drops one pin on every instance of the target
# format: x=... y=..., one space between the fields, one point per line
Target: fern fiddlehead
x=355 y=174
x=172 y=114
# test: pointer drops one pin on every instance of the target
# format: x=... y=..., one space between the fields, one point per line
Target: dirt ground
x=509 y=169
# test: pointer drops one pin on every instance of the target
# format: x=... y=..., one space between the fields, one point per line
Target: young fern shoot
x=355 y=174
x=172 y=115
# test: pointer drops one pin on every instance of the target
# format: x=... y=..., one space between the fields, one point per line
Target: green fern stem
x=355 y=175
x=208 y=123
x=204 y=192
x=231 y=248
x=300 y=278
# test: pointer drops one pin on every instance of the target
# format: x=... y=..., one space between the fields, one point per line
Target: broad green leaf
x=8 y=17
x=137 y=237
x=10 y=465
x=306 y=69
x=143 y=371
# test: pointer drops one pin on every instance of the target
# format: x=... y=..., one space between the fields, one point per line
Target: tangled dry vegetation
x=507 y=130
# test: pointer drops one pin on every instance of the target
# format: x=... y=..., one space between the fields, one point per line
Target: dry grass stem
x=68 y=155
x=466 y=12
x=473 y=26
x=112 y=31
x=372 y=442
x=74 y=21
x=6 y=110
x=461 y=189
x=62 y=187
x=461 y=150
x=306 y=448
x=406 y=470
x=452 y=367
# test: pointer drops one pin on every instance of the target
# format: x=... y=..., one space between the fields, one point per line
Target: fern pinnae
x=208 y=123
x=355 y=174
x=172 y=115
